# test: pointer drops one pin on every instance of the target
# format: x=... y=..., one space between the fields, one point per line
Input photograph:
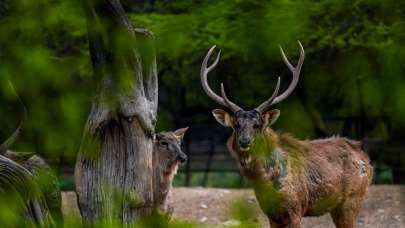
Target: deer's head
x=169 y=146
x=248 y=123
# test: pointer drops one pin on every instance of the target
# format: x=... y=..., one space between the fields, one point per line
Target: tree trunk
x=114 y=166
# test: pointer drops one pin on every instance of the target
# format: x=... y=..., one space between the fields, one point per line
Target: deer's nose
x=244 y=142
x=182 y=158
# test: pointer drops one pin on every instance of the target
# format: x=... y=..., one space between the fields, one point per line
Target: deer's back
x=338 y=170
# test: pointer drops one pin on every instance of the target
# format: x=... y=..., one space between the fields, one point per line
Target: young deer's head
x=168 y=145
x=247 y=123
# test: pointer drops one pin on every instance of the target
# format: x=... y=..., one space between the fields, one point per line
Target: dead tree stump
x=114 y=167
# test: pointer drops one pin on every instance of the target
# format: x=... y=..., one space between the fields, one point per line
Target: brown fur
x=165 y=163
x=162 y=187
x=294 y=178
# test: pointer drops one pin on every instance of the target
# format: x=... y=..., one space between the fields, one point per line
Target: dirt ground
x=213 y=207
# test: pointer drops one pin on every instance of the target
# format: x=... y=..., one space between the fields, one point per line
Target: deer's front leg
x=295 y=223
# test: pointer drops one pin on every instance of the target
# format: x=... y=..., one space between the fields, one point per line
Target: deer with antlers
x=292 y=178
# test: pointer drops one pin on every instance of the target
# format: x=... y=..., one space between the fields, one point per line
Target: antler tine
x=265 y=105
x=230 y=105
x=216 y=60
x=204 y=81
x=296 y=74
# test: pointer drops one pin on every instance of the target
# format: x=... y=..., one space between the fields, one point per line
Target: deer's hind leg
x=274 y=224
x=292 y=223
x=345 y=215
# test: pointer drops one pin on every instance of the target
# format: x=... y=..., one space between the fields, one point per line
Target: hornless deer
x=167 y=155
x=293 y=178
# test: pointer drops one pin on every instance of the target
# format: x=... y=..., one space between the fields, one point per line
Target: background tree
x=114 y=166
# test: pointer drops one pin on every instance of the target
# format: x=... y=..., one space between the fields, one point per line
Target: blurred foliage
x=244 y=213
x=43 y=52
x=353 y=53
x=354 y=67
x=353 y=64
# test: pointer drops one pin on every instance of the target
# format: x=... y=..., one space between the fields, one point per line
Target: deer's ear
x=224 y=118
x=179 y=133
x=156 y=137
x=270 y=117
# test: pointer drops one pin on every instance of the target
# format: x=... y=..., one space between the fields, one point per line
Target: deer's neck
x=265 y=161
x=164 y=172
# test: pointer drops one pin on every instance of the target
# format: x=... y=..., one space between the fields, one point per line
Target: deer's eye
x=164 y=143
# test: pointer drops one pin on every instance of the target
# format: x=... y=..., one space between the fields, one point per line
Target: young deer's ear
x=270 y=117
x=156 y=137
x=224 y=118
x=179 y=133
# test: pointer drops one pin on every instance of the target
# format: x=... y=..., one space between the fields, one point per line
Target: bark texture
x=114 y=166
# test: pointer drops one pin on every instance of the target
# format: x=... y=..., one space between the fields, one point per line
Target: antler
x=296 y=74
x=269 y=101
x=204 y=81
